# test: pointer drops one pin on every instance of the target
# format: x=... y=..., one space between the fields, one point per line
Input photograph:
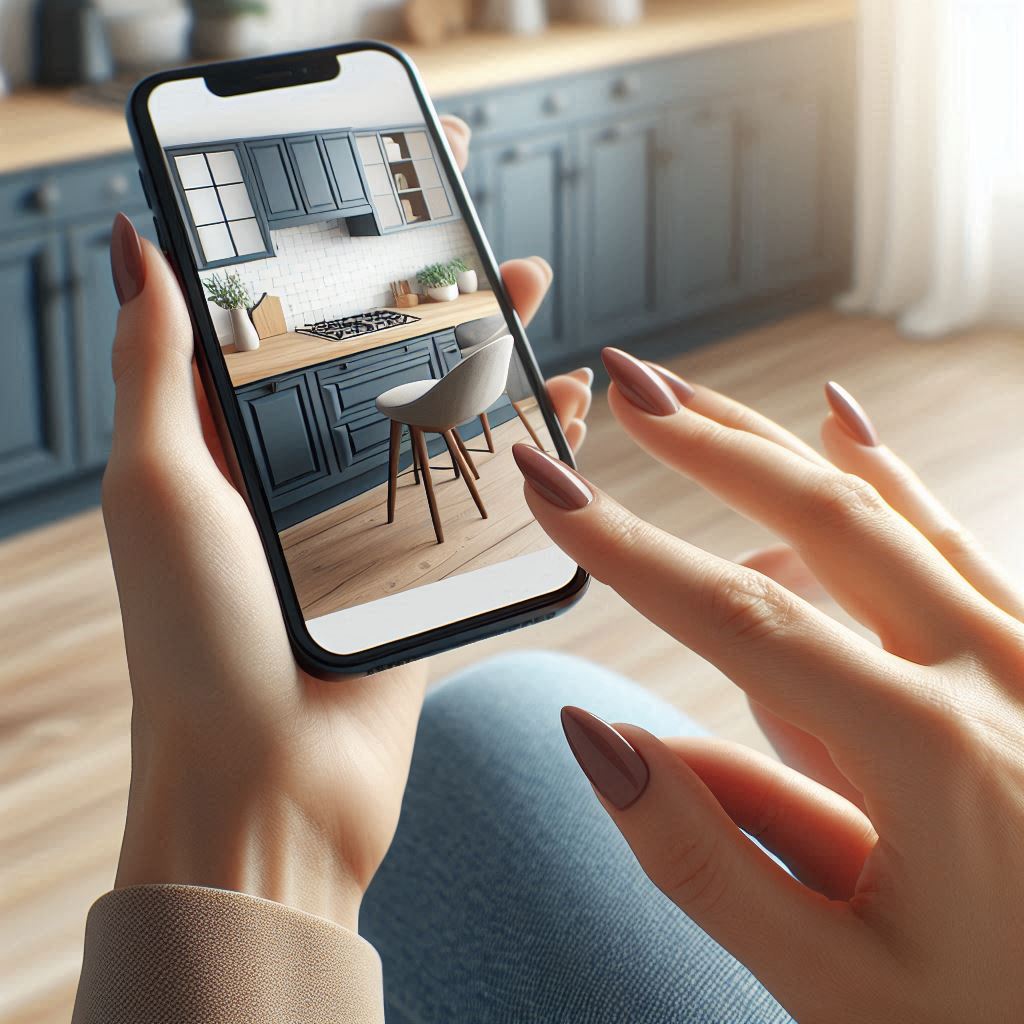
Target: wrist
x=241 y=834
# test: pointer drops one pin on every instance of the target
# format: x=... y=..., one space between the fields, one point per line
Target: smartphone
x=367 y=371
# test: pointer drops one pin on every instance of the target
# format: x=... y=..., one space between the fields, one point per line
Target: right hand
x=904 y=827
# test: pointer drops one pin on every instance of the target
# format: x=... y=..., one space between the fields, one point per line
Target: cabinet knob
x=46 y=197
x=555 y=103
x=117 y=186
x=623 y=88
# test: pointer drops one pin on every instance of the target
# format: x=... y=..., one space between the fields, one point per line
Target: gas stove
x=353 y=326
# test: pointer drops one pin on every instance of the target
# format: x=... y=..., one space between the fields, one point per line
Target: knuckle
x=954 y=542
x=695 y=879
x=842 y=500
x=626 y=532
x=748 y=607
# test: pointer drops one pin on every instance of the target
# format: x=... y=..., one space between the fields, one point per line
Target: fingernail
x=553 y=480
x=853 y=419
x=126 y=262
x=639 y=383
x=616 y=770
x=683 y=391
x=590 y=375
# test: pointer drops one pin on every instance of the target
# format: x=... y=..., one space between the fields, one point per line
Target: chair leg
x=421 y=449
x=395 y=444
x=486 y=424
x=465 y=452
x=526 y=423
x=415 y=459
x=466 y=474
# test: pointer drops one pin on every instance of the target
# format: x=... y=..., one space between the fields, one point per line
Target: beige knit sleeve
x=170 y=954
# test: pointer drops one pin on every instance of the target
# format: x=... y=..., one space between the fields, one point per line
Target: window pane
x=225 y=167
x=378 y=180
x=204 y=206
x=369 y=149
x=419 y=147
x=426 y=171
x=387 y=210
x=437 y=204
x=246 y=234
x=193 y=171
x=216 y=242
x=235 y=200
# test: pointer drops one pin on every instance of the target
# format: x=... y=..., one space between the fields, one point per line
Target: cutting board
x=268 y=317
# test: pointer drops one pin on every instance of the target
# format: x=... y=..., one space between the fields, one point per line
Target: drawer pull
x=623 y=88
x=47 y=197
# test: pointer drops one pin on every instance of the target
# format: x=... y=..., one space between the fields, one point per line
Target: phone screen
x=376 y=375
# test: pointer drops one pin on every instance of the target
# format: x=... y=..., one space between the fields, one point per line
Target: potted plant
x=439 y=281
x=465 y=277
x=228 y=292
x=229 y=28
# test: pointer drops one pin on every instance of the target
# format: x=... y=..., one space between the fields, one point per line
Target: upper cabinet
x=404 y=180
x=220 y=204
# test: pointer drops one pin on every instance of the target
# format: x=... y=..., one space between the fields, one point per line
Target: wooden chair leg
x=486 y=424
x=465 y=452
x=415 y=460
x=395 y=444
x=526 y=423
x=466 y=474
x=421 y=449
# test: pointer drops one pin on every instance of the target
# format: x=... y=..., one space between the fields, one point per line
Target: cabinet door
x=534 y=185
x=618 y=228
x=784 y=181
x=342 y=160
x=698 y=208
x=94 y=319
x=35 y=393
x=285 y=436
x=280 y=193
x=311 y=174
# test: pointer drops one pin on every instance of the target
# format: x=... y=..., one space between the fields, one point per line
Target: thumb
x=790 y=937
x=155 y=409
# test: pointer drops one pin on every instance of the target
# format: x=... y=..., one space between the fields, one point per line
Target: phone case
x=232 y=78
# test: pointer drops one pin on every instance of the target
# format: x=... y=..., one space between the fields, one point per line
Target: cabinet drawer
x=361 y=437
x=448 y=352
x=354 y=390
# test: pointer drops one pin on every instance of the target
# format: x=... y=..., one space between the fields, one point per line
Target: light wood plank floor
x=351 y=554
x=953 y=408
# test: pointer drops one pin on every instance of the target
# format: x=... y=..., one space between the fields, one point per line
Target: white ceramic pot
x=466 y=281
x=149 y=38
x=246 y=338
x=608 y=12
x=444 y=293
x=233 y=35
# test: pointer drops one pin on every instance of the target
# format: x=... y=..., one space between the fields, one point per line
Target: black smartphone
x=367 y=370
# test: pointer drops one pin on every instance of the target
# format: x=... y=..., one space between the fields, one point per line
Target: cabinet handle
x=623 y=88
x=117 y=186
x=555 y=103
x=46 y=197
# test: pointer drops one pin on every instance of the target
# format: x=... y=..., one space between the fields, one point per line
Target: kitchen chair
x=473 y=335
x=438 y=407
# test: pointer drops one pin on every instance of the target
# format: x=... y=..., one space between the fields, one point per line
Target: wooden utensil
x=268 y=317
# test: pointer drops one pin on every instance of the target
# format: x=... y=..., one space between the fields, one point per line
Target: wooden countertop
x=40 y=127
x=285 y=352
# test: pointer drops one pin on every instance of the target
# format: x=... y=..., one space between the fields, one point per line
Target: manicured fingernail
x=683 y=391
x=126 y=261
x=853 y=419
x=553 y=480
x=639 y=383
x=616 y=770
x=589 y=375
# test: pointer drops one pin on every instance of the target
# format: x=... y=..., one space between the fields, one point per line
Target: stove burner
x=354 y=326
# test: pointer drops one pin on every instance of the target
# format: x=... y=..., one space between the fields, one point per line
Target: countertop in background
x=39 y=127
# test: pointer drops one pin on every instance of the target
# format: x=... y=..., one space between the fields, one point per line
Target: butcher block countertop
x=40 y=127
x=285 y=352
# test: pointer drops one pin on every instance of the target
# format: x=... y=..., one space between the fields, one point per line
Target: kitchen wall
x=321 y=272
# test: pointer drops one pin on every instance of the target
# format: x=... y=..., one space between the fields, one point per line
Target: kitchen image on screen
x=374 y=370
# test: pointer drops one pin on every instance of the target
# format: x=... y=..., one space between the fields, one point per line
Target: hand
x=247 y=773
x=905 y=833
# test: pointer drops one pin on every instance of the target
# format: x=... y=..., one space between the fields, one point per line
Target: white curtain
x=939 y=230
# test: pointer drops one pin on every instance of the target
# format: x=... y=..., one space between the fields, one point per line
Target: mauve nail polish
x=683 y=391
x=126 y=261
x=614 y=768
x=553 y=480
x=639 y=383
x=852 y=417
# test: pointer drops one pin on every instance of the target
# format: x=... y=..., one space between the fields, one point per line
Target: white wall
x=320 y=272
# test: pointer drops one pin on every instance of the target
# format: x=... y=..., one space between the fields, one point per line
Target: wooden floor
x=351 y=554
x=953 y=408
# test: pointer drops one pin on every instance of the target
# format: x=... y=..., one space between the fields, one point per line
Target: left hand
x=247 y=773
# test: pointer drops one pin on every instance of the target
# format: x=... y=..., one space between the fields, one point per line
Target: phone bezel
x=173 y=234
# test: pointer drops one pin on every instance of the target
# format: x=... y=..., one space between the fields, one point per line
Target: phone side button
x=145 y=191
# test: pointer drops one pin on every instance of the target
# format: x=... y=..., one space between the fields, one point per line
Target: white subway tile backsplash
x=321 y=272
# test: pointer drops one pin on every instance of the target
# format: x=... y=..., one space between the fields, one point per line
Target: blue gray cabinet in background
x=677 y=199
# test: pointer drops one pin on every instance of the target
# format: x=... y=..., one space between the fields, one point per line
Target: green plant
x=229 y=8
x=459 y=265
x=227 y=291
x=436 y=275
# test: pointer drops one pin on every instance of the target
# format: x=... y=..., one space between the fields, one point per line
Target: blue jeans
x=509 y=895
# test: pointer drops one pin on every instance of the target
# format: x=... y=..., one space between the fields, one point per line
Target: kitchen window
x=217 y=199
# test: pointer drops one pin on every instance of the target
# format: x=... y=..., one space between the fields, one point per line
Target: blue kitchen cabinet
x=278 y=188
x=94 y=310
x=339 y=152
x=35 y=386
x=619 y=229
x=311 y=174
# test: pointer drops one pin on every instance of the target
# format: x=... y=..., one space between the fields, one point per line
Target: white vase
x=242 y=327
x=466 y=281
x=444 y=293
